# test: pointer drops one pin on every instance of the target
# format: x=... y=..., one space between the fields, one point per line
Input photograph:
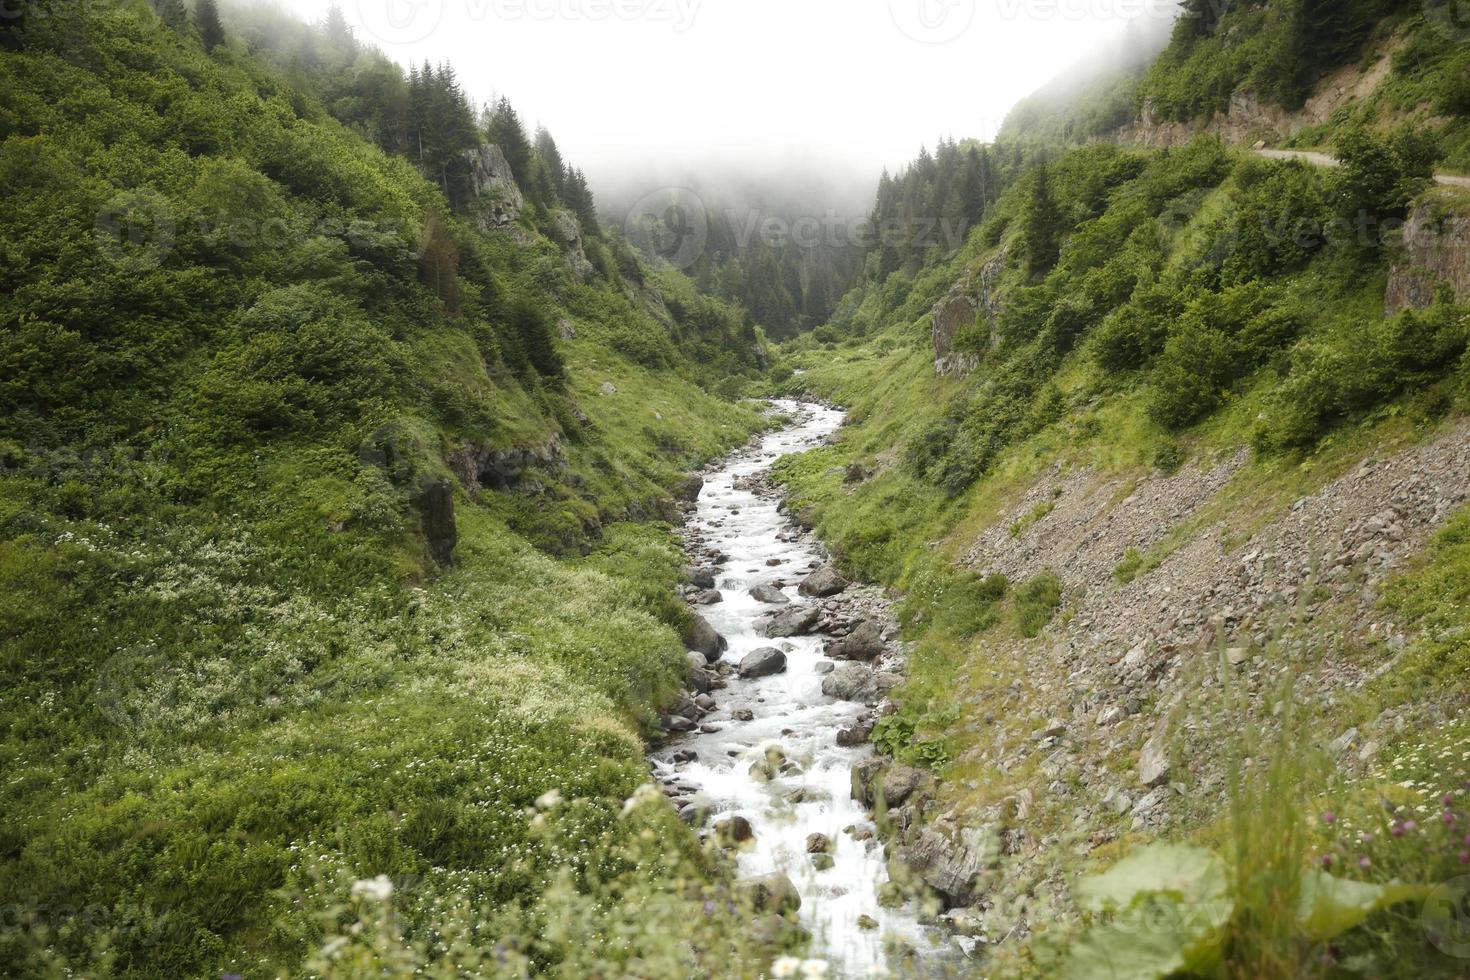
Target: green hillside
x=296 y=459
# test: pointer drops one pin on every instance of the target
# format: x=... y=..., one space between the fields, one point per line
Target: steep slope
x=1169 y=498
x=315 y=543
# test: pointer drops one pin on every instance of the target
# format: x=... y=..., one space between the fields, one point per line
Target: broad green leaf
x=1169 y=902
x=1331 y=906
x=1189 y=872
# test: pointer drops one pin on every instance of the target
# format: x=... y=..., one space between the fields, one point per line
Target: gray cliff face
x=1436 y=251
x=498 y=201
x=973 y=296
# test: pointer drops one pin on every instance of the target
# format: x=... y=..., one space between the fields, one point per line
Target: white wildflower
x=813 y=969
x=548 y=799
x=331 y=949
x=785 y=966
x=647 y=793
x=379 y=889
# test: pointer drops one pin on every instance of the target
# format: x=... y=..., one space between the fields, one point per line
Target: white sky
x=645 y=86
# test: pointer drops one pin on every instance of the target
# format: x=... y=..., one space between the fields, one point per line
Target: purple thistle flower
x=1329 y=817
x=1465 y=857
x=1411 y=825
x=1398 y=830
x=1327 y=860
x=1364 y=863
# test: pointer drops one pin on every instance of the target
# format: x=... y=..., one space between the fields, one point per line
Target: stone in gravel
x=863 y=643
x=795 y=621
x=1111 y=715
x=1153 y=762
x=825 y=581
x=1235 y=656
x=762 y=662
x=769 y=593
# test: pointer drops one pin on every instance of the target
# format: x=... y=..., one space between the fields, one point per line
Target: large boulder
x=953 y=864
x=703 y=578
x=771 y=893
x=688 y=488
x=701 y=636
x=825 y=581
x=770 y=594
x=863 y=643
x=435 y=504
x=762 y=662
x=900 y=782
x=795 y=621
x=855 y=682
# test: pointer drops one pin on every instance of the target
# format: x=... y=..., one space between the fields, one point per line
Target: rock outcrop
x=435 y=504
x=498 y=200
x=971 y=301
x=1436 y=251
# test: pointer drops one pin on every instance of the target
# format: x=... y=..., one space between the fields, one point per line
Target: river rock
x=818 y=843
x=688 y=488
x=858 y=734
x=771 y=893
x=736 y=830
x=700 y=577
x=867 y=923
x=855 y=682
x=825 y=581
x=701 y=636
x=900 y=781
x=952 y=866
x=863 y=643
x=769 y=593
x=795 y=621
x=706 y=597
x=743 y=714
x=762 y=662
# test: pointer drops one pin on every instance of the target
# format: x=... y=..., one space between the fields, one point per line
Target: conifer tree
x=1041 y=226
x=503 y=128
x=174 y=15
x=207 y=22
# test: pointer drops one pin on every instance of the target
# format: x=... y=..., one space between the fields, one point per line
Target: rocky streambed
x=790 y=665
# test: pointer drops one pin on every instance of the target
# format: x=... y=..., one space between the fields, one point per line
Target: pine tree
x=551 y=157
x=503 y=128
x=206 y=20
x=1041 y=226
x=174 y=15
x=337 y=30
x=578 y=197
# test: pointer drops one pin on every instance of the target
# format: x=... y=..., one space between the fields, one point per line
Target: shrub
x=1036 y=602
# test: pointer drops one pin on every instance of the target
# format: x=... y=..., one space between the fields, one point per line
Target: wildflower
x=1411 y=825
x=1367 y=838
x=548 y=799
x=785 y=966
x=1398 y=830
x=1329 y=817
x=1465 y=857
x=813 y=969
x=1449 y=818
x=379 y=889
x=1364 y=863
x=1327 y=860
